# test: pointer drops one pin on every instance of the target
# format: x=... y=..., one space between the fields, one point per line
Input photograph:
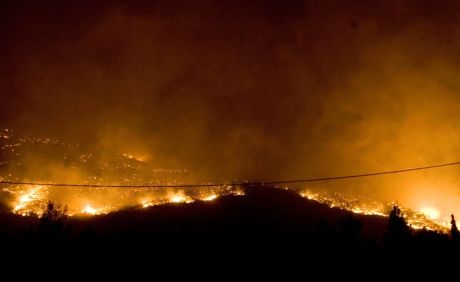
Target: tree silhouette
x=52 y=220
x=398 y=234
x=454 y=233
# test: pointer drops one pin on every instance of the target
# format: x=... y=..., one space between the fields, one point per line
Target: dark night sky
x=249 y=89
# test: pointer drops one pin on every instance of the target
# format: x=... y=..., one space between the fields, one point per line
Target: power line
x=233 y=184
x=364 y=174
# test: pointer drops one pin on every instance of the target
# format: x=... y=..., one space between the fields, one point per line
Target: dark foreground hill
x=266 y=223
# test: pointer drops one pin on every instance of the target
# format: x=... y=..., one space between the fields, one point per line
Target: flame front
x=430 y=212
x=92 y=201
x=89 y=210
x=210 y=197
x=30 y=200
x=179 y=197
x=425 y=218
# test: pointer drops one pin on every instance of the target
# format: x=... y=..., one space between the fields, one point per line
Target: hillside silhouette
x=264 y=221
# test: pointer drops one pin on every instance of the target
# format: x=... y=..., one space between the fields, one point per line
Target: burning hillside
x=123 y=169
x=59 y=162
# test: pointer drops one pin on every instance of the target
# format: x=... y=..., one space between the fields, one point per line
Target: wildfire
x=427 y=217
x=179 y=197
x=210 y=197
x=131 y=169
x=137 y=158
x=77 y=165
x=89 y=210
x=146 y=203
x=238 y=192
x=430 y=212
x=30 y=201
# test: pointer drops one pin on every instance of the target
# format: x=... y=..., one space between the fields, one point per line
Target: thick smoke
x=259 y=90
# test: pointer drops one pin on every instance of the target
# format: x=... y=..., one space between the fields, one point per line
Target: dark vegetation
x=263 y=223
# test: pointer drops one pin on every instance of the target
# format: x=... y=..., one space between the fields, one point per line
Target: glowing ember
x=30 y=201
x=90 y=210
x=210 y=197
x=238 y=192
x=146 y=203
x=359 y=210
x=26 y=198
x=137 y=158
x=177 y=199
x=430 y=212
